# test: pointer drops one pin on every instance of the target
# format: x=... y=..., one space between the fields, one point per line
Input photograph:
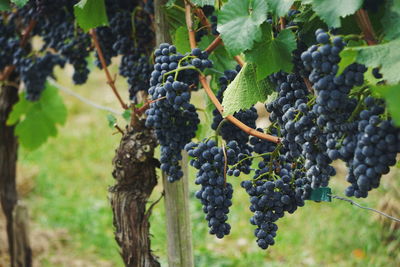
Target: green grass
x=71 y=192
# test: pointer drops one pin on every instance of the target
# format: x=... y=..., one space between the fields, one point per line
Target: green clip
x=321 y=194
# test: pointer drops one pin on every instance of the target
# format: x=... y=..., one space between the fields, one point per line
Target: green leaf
x=386 y=56
x=331 y=11
x=220 y=57
x=182 y=40
x=127 y=115
x=170 y=3
x=19 y=3
x=280 y=7
x=176 y=17
x=391 y=94
x=37 y=121
x=347 y=57
x=203 y=2
x=271 y=97
x=391 y=20
x=4 y=5
x=272 y=54
x=112 y=120
x=245 y=91
x=239 y=23
x=90 y=14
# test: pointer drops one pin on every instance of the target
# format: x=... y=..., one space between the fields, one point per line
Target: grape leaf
x=176 y=18
x=36 y=121
x=182 y=40
x=203 y=2
x=331 y=12
x=245 y=91
x=391 y=94
x=112 y=120
x=386 y=56
x=127 y=115
x=220 y=57
x=90 y=14
x=391 y=20
x=19 y=3
x=239 y=23
x=280 y=7
x=4 y=5
x=272 y=54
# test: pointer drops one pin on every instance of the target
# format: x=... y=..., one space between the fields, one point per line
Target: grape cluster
x=215 y=194
x=230 y=132
x=276 y=188
x=171 y=114
x=34 y=72
x=62 y=43
x=375 y=151
x=134 y=41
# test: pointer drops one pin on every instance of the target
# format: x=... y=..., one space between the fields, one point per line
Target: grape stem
x=225 y=162
x=217 y=41
x=110 y=80
x=119 y=129
x=25 y=37
x=142 y=109
x=282 y=23
x=365 y=25
x=210 y=93
x=204 y=21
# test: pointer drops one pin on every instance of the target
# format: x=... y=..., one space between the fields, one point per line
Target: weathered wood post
x=179 y=231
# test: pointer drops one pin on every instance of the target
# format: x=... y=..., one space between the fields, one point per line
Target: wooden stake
x=179 y=232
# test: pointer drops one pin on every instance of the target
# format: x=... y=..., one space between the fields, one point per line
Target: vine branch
x=365 y=25
x=110 y=80
x=217 y=41
x=210 y=93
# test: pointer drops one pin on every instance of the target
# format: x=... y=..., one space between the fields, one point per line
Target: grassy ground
x=70 y=193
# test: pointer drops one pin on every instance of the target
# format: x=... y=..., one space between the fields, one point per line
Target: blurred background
x=64 y=184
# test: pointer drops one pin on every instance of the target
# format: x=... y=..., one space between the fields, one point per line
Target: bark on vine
x=134 y=172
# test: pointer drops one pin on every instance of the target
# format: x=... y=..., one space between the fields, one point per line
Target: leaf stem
x=365 y=25
x=110 y=80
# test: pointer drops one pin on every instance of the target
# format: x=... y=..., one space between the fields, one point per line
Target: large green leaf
x=386 y=56
x=181 y=40
x=36 y=121
x=272 y=54
x=245 y=91
x=90 y=14
x=280 y=7
x=331 y=11
x=391 y=94
x=239 y=23
x=391 y=20
x=203 y=2
x=19 y=3
x=4 y=5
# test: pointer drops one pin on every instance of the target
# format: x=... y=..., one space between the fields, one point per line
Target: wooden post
x=19 y=249
x=179 y=231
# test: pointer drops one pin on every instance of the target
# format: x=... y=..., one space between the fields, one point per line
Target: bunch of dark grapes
x=133 y=40
x=215 y=194
x=171 y=114
x=276 y=188
x=62 y=43
x=34 y=72
x=230 y=132
x=376 y=149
